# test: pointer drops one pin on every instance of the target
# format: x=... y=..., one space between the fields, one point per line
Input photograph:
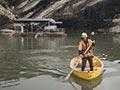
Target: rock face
x=7 y=13
x=83 y=13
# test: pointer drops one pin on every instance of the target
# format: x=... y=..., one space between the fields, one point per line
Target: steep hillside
x=80 y=13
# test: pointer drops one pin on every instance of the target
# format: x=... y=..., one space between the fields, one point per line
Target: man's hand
x=93 y=41
x=81 y=56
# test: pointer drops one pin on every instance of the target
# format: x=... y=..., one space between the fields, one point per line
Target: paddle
x=69 y=74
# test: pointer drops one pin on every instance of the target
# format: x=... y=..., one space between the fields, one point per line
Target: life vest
x=83 y=46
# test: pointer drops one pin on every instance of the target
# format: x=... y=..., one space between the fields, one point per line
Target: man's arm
x=80 y=52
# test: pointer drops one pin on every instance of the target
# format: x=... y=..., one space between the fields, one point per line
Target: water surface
x=27 y=63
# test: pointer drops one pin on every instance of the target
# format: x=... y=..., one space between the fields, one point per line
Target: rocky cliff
x=75 y=13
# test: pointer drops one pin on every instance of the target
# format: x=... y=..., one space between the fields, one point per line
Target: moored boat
x=7 y=32
x=53 y=34
x=87 y=74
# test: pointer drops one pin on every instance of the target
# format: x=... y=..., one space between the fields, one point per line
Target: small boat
x=89 y=85
x=7 y=32
x=51 y=30
x=51 y=34
x=87 y=74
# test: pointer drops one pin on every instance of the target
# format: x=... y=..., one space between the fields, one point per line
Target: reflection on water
x=25 y=58
x=108 y=46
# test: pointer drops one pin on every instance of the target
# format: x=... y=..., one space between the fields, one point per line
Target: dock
x=34 y=26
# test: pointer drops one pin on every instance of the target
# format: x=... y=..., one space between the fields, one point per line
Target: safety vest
x=82 y=47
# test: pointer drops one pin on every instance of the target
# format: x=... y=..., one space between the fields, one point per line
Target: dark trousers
x=84 y=60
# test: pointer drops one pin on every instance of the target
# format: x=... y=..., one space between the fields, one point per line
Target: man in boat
x=83 y=45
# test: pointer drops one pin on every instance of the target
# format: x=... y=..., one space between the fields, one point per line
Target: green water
x=27 y=63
